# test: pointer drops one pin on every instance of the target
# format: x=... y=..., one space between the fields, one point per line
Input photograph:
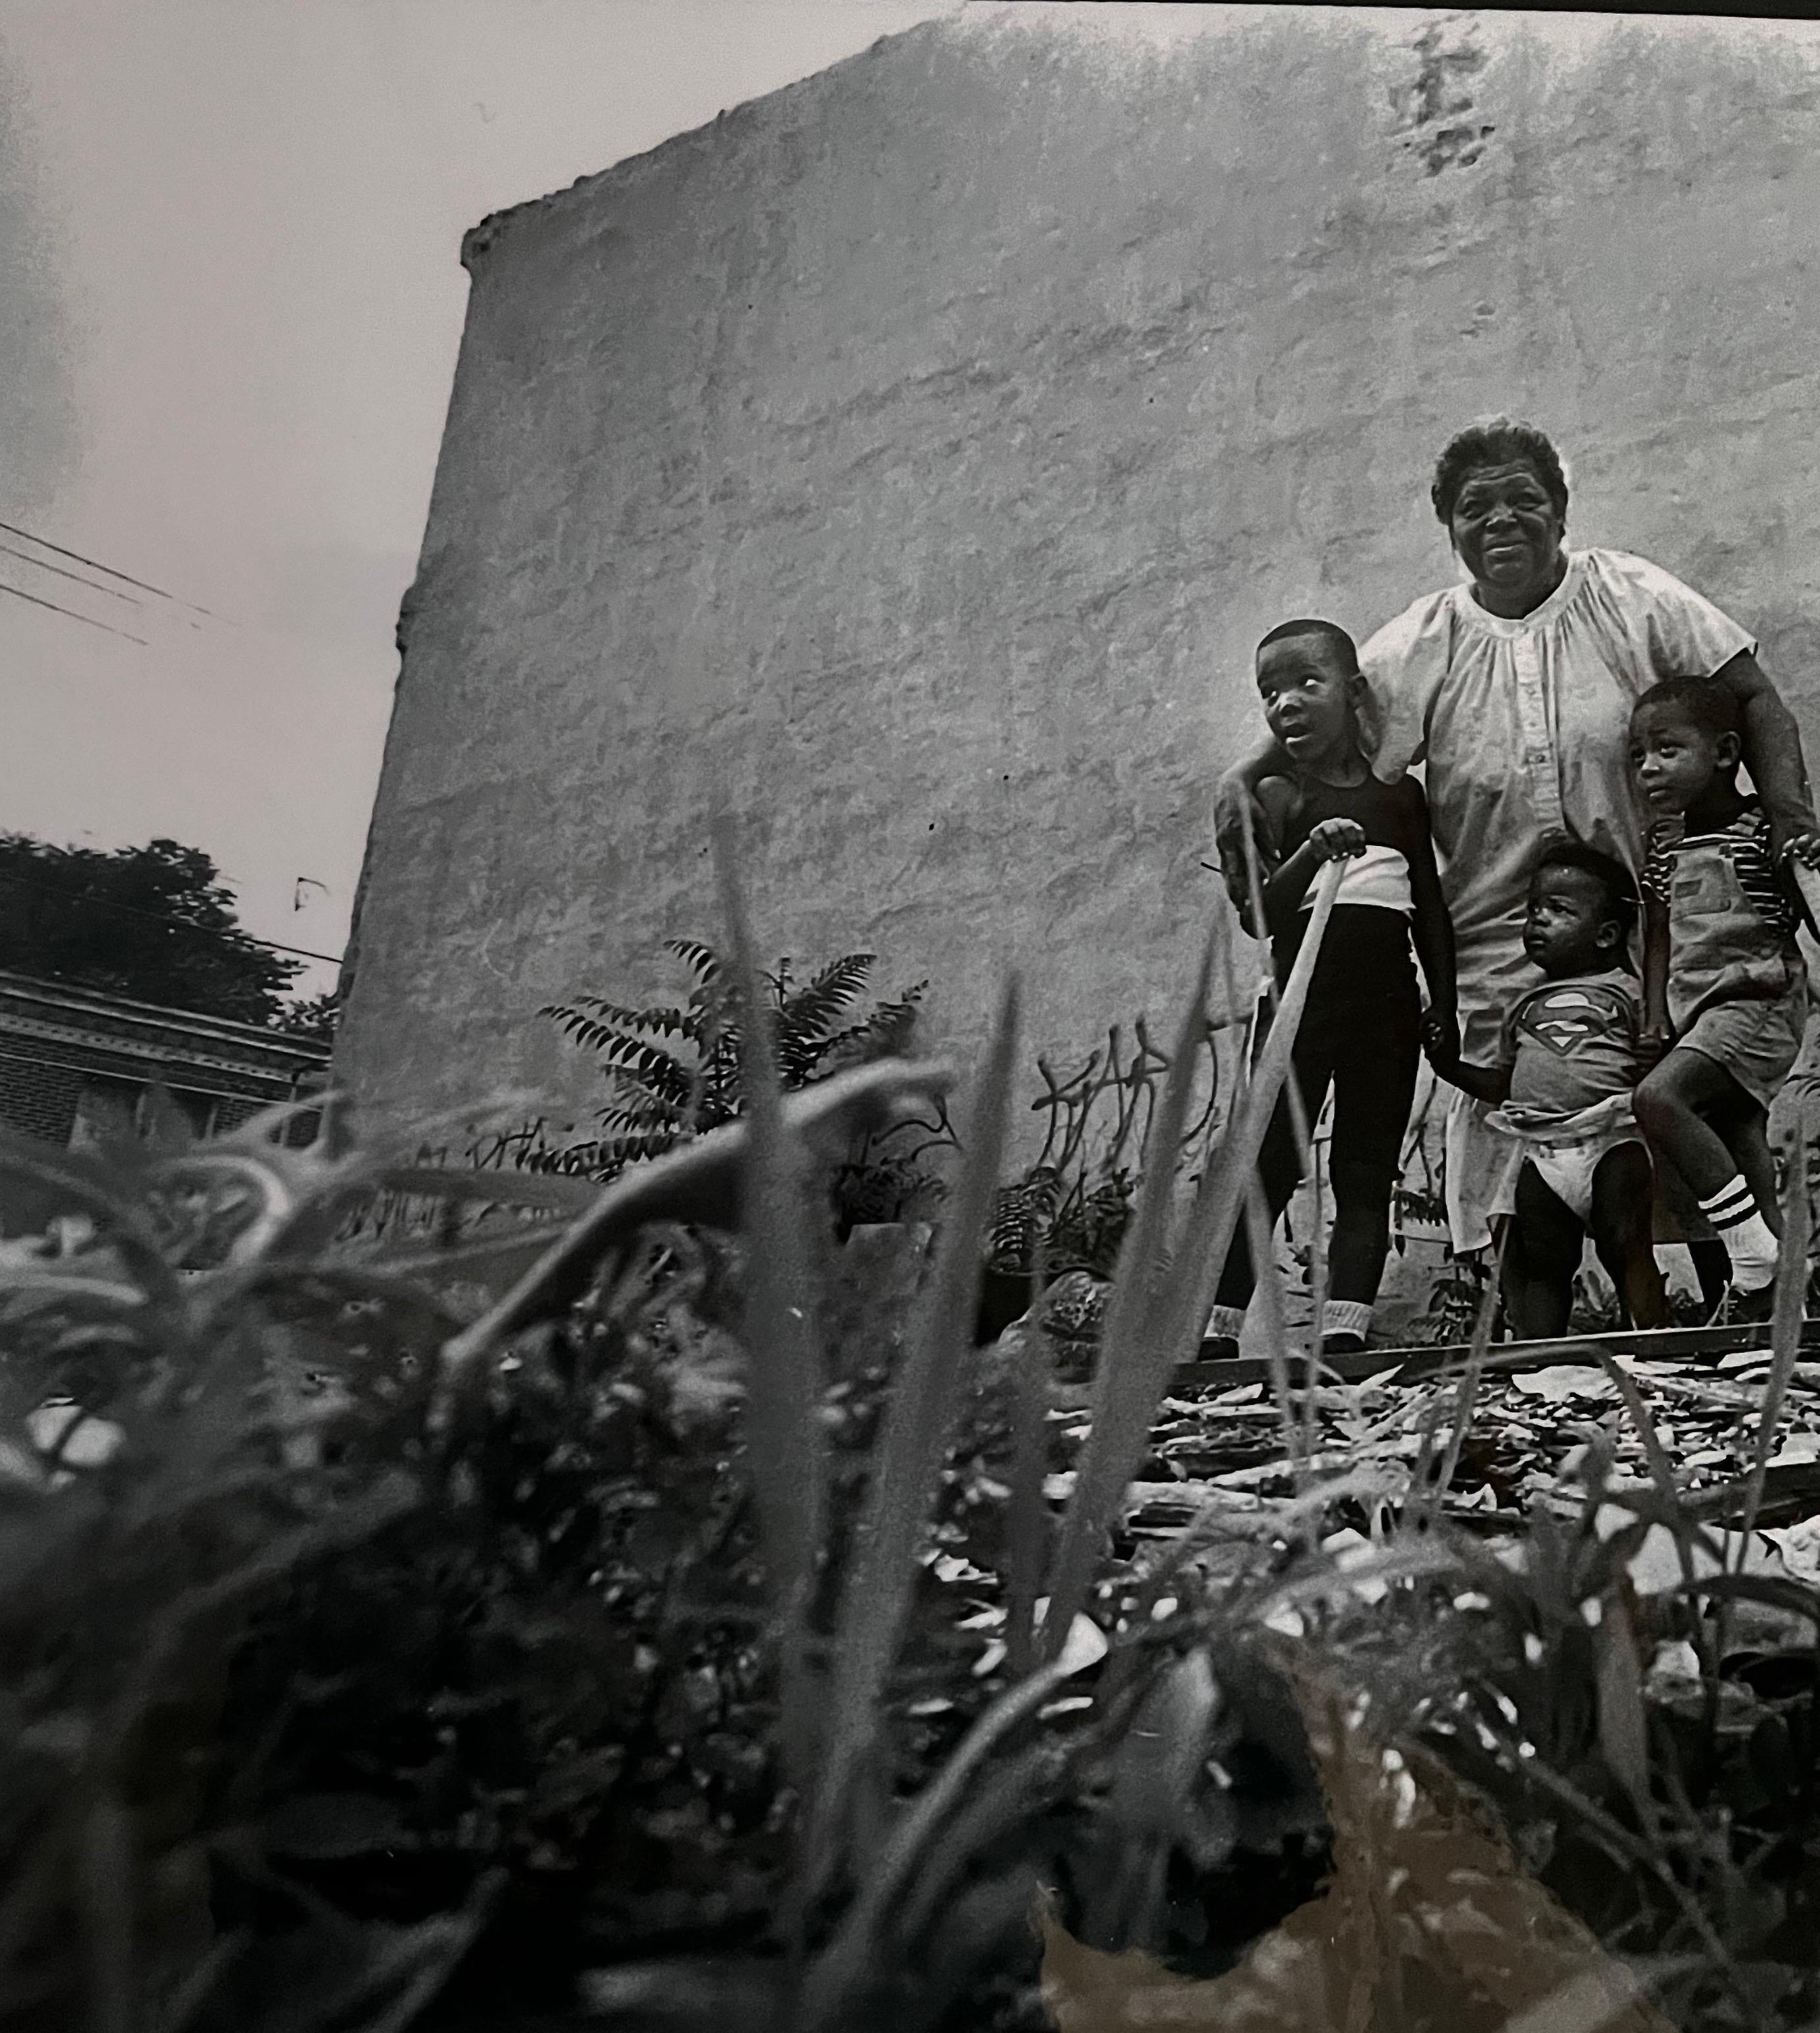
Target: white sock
x=1750 y=1241
x=1226 y=1323
x=1346 y=1316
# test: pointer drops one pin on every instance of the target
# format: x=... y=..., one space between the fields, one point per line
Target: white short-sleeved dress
x=1523 y=727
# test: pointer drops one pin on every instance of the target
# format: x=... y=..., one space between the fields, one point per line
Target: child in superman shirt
x=1571 y=1055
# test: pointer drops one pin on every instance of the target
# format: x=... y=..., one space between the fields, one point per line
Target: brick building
x=76 y=1065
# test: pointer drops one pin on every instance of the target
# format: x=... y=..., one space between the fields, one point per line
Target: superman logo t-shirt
x=1571 y=1043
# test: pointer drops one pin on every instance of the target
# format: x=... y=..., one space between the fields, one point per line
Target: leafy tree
x=672 y=1070
x=314 y=1017
x=155 y=922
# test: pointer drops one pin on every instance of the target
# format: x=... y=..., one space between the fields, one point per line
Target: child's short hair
x=1332 y=631
x=1711 y=706
x=1615 y=885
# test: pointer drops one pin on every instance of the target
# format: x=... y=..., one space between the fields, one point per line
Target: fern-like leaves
x=672 y=1070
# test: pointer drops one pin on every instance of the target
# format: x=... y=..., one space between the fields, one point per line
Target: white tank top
x=1379 y=878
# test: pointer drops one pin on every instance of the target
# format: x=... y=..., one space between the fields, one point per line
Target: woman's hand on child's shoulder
x=1337 y=839
x=1802 y=846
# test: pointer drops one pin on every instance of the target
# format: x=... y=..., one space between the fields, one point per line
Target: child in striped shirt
x=1725 y=988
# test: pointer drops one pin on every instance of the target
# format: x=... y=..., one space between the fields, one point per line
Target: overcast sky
x=228 y=231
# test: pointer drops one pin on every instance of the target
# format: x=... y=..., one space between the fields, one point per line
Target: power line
x=164 y=917
x=73 y=615
x=94 y=585
x=95 y=564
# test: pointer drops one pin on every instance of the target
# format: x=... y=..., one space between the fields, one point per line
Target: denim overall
x=1720 y=948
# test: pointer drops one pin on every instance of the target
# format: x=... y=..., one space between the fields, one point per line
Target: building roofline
x=75 y=1000
x=485 y=232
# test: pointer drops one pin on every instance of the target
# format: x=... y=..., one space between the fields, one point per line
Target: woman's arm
x=1277 y=800
x=1287 y=884
x=1772 y=755
x=1236 y=807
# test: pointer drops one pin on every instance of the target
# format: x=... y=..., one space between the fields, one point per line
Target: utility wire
x=105 y=626
x=163 y=918
x=95 y=564
x=38 y=564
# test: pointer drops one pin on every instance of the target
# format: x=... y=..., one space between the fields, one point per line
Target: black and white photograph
x=909 y=1117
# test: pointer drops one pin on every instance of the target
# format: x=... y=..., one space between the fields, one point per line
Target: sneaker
x=1710 y=1313
x=1343 y=1344
x=1739 y=1308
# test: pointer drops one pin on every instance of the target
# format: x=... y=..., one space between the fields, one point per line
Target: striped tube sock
x=1346 y=1316
x=1749 y=1240
x=1226 y=1323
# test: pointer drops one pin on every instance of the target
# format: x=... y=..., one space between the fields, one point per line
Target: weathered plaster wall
x=917 y=453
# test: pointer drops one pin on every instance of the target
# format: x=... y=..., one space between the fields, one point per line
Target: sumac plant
x=673 y=1070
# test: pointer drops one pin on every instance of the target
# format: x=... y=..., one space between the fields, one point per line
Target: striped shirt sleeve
x=1659 y=866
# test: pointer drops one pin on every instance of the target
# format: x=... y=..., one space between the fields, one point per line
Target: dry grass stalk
x=1303 y=1130
x=786 y=1447
x=1785 y=1329
x=1160 y=1303
x=1027 y=1523
x=698 y=1183
x=907 y=1461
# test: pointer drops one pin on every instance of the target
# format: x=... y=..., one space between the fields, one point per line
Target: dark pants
x=1360 y=1034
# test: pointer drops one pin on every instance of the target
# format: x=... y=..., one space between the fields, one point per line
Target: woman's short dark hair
x=1500 y=441
x=1614 y=879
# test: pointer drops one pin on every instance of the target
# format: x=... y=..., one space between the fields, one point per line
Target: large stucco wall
x=912 y=457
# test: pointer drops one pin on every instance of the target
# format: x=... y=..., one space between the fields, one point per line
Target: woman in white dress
x=1515 y=690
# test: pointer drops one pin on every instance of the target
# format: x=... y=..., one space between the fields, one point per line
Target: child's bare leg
x=1674 y=1105
x=1747 y=1138
x=1678 y=1107
x=1541 y=1254
x=1622 y=1225
x=1712 y=1269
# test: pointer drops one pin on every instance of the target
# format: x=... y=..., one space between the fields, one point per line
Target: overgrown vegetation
x=673 y=1070
x=555 y=1617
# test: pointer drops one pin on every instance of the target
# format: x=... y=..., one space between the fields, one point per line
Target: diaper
x=1565 y=1153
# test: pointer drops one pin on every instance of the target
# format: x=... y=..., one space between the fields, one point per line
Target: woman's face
x=1508 y=531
